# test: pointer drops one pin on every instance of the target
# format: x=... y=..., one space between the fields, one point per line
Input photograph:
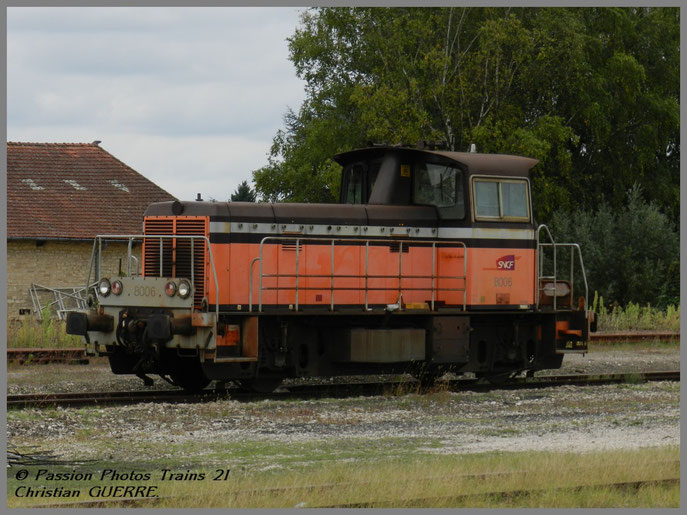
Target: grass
x=635 y=317
x=38 y=334
x=437 y=480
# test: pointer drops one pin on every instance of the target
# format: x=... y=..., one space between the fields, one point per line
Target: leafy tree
x=630 y=254
x=243 y=193
x=590 y=92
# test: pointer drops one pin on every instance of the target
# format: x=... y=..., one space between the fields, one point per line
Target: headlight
x=170 y=288
x=117 y=287
x=184 y=289
x=104 y=287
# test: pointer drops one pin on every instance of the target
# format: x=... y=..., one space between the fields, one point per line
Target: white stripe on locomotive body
x=220 y=227
x=448 y=233
x=497 y=233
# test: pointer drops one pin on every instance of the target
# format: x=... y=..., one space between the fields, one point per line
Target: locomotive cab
x=431 y=262
x=397 y=179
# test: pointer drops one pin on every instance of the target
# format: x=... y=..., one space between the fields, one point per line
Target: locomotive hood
x=293 y=213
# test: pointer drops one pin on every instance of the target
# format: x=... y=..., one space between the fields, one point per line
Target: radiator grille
x=180 y=257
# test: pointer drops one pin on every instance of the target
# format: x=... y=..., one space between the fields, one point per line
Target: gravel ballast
x=566 y=418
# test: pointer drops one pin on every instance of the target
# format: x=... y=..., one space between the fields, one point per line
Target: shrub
x=631 y=255
x=46 y=333
x=635 y=317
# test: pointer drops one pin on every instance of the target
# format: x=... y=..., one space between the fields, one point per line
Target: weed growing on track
x=47 y=333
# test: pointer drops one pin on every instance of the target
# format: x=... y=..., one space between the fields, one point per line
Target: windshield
x=439 y=185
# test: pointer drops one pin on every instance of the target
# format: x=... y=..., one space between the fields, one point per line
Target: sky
x=188 y=97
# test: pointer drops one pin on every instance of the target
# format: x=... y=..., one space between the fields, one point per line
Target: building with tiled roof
x=59 y=196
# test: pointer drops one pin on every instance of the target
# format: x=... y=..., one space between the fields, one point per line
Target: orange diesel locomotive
x=431 y=262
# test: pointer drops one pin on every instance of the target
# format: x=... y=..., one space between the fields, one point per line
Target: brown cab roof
x=490 y=164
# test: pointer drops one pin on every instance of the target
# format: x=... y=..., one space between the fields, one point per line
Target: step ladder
x=553 y=279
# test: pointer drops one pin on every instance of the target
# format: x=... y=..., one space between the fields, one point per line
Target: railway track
x=427 y=502
x=320 y=390
x=41 y=356
x=465 y=499
x=77 y=355
x=634 y=336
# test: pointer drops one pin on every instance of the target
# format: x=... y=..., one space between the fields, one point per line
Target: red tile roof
x=73 y=191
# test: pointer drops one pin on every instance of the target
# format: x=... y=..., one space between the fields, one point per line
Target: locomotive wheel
x=261 y=384
x=190 y=382
x=121 y=363
x=188 y=374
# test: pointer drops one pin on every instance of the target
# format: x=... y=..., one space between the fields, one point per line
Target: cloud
x=198 y=92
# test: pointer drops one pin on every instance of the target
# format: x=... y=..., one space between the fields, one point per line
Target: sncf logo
x=506 y=263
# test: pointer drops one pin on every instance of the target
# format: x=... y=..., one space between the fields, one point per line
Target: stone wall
x=54 y=264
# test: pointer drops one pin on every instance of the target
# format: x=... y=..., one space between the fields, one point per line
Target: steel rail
x=129 y=502
x=31 y=356
x=483 y=476
x=505 y=494
x=633 y=336
x=352 y=484
x=39 y=400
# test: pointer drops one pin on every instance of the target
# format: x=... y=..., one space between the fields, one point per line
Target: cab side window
x=487 y=198
x=441 y=186
x=514 y=199
x=358 y=181
x=501 y=199
x=354 y=186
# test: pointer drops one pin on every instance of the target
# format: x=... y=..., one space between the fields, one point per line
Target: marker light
x=170 y=288
x=117 y=287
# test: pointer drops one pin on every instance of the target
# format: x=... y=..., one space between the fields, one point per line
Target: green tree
x=590 y=92
x=243 y=193
x=630 y=254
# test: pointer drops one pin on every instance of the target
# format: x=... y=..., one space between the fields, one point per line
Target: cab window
x=514 y=199
x=354 y=186
x=501 y=199
x=441 y=186
x=358 y=181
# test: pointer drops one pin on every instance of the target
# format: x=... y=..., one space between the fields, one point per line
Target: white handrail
x=97 y=244
x=331 y=242
x=575 y=247
x=540 y=267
